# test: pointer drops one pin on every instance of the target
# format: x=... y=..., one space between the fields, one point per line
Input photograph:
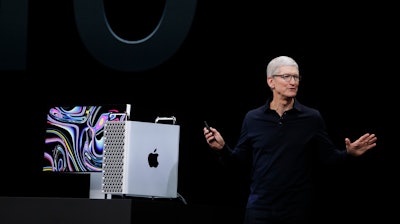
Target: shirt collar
x=297 y=105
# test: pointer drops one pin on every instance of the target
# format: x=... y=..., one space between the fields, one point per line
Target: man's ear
x=270 y=82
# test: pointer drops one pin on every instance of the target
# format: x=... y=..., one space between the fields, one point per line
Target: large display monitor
x=74 y=138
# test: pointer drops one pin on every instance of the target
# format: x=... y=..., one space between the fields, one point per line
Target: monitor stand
x=95 y=186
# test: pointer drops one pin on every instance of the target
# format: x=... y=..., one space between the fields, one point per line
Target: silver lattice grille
x=113 y=157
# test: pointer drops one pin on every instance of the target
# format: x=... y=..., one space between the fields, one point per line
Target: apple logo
x=153 y=158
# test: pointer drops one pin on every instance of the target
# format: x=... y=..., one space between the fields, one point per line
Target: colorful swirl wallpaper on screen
x=74 y=138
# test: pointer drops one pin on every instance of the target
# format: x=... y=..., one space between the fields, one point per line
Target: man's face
x=285 y=82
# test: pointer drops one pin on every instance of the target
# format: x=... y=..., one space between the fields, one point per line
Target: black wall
x=217 y=74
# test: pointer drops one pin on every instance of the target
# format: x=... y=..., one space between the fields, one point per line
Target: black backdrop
x=217 y=74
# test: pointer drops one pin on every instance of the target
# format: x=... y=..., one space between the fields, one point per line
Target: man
x=282 y=138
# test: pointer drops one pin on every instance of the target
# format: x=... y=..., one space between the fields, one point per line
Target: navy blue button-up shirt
x=281 y=149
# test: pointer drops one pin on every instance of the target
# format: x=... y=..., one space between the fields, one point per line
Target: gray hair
x=280 y=61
